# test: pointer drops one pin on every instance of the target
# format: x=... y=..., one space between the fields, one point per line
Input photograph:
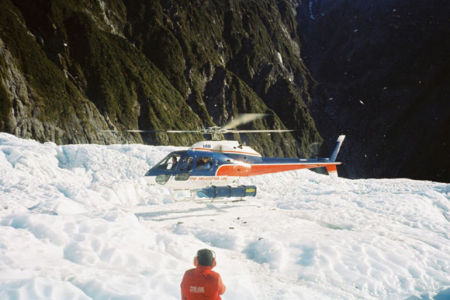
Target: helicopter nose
x=152 y=172
x=150 y=177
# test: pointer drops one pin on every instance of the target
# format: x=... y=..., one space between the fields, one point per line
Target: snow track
x=80 y=222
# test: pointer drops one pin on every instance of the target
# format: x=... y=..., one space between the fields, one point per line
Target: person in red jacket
x=202 y=283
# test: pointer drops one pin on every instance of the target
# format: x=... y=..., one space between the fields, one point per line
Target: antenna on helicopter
x=216 y=131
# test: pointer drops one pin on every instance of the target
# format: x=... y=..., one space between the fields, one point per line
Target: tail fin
x=331 y=169
x=339 y=142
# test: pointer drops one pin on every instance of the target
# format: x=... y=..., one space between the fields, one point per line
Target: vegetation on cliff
x=70 y=70
x=90 y=66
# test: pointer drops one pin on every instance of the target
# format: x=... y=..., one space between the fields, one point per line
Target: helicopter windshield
x=170 y=162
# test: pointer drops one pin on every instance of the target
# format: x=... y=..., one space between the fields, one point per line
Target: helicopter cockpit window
x=186 y=164
x=204 y=163
x=170 y=162
x=162 y=179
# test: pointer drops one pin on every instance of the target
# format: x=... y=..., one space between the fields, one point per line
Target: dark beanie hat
x=205 y=257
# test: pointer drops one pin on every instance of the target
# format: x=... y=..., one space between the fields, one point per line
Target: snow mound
x=81 y=222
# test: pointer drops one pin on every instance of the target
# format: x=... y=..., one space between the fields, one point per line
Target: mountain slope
x=377 y=72
x=384 y=74
x=71 y=69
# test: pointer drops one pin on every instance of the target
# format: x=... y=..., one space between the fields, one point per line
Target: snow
x=81 y=222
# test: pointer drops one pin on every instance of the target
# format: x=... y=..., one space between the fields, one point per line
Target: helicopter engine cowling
x=242 y=169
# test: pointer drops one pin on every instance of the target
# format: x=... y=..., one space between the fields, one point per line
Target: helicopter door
x=203 y=166
x=185 y=168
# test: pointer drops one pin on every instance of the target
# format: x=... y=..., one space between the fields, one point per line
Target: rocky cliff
x=378 y=71
x=70 y=70
x=383 y=69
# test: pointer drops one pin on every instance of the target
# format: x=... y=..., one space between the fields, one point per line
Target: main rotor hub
x=215 y=132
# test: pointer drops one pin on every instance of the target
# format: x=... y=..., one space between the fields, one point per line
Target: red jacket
x=201 y=283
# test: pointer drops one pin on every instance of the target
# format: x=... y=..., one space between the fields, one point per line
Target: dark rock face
x=72 y=69
x=383 y=69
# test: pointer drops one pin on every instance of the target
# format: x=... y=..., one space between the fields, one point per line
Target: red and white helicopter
x=211 y=169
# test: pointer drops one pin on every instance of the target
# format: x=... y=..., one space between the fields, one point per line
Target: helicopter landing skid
x=215 y=194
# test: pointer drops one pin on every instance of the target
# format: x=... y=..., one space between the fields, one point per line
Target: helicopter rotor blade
x=152 y=131
x=243 y=119
x=259 y=131
x=215 y=130
x=117 y=131
x=182 y=131
x=142 y=131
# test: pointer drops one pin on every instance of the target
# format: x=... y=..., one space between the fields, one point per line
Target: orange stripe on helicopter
x=259 y=169
x=331 y=168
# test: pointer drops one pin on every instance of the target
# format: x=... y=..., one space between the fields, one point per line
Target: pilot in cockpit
x=174 y=162
x=204 y=163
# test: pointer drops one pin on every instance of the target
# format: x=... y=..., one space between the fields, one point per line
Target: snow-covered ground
x=81 y=222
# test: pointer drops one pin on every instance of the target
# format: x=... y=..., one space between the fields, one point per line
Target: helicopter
x=212 y=168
